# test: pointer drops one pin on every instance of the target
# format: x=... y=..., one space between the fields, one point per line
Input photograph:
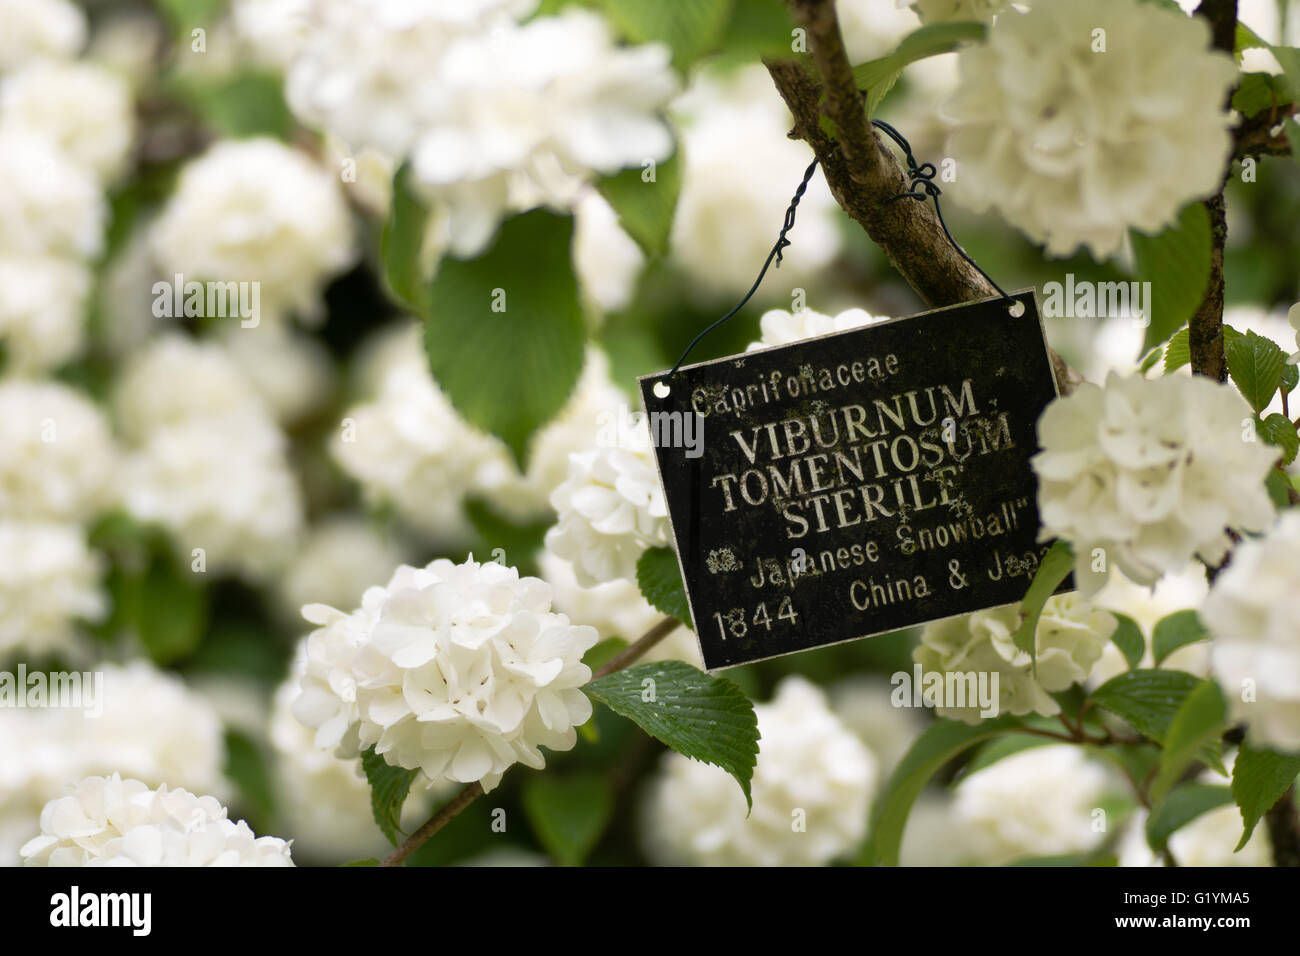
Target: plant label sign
x=858 y=482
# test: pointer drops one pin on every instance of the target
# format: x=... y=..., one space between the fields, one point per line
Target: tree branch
x=1283 y=821
x=473 y=791
x=1205 y=327
x=864 y=175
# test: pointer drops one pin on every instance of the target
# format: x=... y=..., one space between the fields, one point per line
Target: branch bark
x=864 y=175
x=1205 y=327
x=1283 y=822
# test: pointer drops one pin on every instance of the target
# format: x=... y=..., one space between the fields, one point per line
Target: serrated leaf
x=1259 y=778
x=1178 y=351
x=690 y=28
x=1183 y=805
x=1052 y=571
x=1146 y=698
x=1128 y=638
x=1173 y=631
x=568 y=813
x=707 y=718
x=1259 y=92
x=1150 y=359
x=645 y=209
x=1177 y=264
x=660 y=579
x=1278 y=430
x=939 y=743
x=389 y=787
x=505 y=332
x=1196 y=728
x=1255 y=364
x=401 y=242
x=1248 y=39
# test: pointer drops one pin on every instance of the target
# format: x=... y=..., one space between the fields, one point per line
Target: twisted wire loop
x=921 y=185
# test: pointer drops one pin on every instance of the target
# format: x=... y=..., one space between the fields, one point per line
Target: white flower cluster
x=1252 y=610
x=1150 y=471
x=1040 y=802
x=324 y=800
x=409 y=447
x=58 y=470
x=152 y=727
x=729 y=212
x=779 y=327
x=109 y=821
x=812 y=789
x=496 y=116
x=611 y=508
x=457 y=670
x=1073 y=145
x=256 y=211
x=65 y=130
x=209 y=463
x=1070 y=639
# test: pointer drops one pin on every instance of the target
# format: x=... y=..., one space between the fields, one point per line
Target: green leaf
x=1259 y=779
x=1279 y=488
x=604 y=652
x=659 y=577
x=758 y=28
x=938 y=744
x=1175 y=630
x=1255 y=364
x=877 y=77
x=389 y=786
x=1183 y=805
x=505 y=332
x=1248 y=39
x=690 y=28
x=707 y=718
x=247 y=767
x=1178 y=352
x=1278 y=430
x=239 y=105
x=1128 y=638
x=645 y=208
x=171 y=609
x=1195 y=728
x=1055 y=566
x=401 y=242
x=1150 y=359
x=1288 y=57
x=1177 y=264
x=185 y=15
x=1146 y=698
x=568 y=813
x=1290 y=377
x=1259 y=92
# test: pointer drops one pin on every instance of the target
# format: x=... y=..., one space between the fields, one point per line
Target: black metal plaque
x=855 y=483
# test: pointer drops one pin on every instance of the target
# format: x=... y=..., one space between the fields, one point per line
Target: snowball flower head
x=527 y=115
x=50 y=205
x=1073 y=145
x=84 y=109
x=1252 y=611
x=223 y=484
x=57 y=459
x=257 y=211
x=812 y=789
x=109 y=821
x=1151 y=471
x=611 y=509
x=729 y=212
x=49 y=579
x=1070 y=639
x=1038 y=802
x=33 y=29
x=457 y=670
x=42 y=311
x=781 y=328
